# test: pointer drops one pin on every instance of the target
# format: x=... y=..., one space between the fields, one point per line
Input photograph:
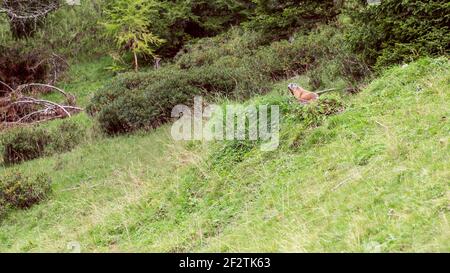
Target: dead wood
x=17 y=108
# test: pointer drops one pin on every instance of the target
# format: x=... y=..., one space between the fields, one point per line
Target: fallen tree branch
x=40 y=102
x=31 y=114
x=19 y=109
x=23 y=86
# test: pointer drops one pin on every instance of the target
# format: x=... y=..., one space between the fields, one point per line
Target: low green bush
x=328 y=58
x=22 y=192
x=280 y=18
x=399 y=31
x=121 y=108
x=126 y=84
x=237 y=42
x=24 y=144
x=322 y=51
x=66 y=136
x=27 y=143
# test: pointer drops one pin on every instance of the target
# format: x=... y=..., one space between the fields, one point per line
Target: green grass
x=373 y=178
x=84 y=78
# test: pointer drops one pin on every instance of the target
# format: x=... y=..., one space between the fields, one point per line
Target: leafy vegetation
x=362 y=169
x=25 y=144
x=29 y=143
x=22 y=192
x=400 y=31
x=18 y=67
x=68 y=31
x=279 y=19
x=126 y=21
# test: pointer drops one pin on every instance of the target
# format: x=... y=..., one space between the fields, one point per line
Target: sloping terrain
x=374 y=177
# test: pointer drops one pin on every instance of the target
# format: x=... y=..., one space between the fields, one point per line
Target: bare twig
x=22 y=87
x=24 y=118
x=35 y=101
x=382 y=125
x=27 y=14
x=61 y=58
x=7 y=85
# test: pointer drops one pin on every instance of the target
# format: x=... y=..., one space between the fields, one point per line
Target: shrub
x=20 y=191
x=66 y=137
x=328 y=58
x=67 y=31
x=24 y=144
x=322 y=53
x=277 y=60
x=126 y=109
x=282 y=60
x=397 y=31
x=128 y=113
x=229 y=77
x=126 y=84
x=122 y=110
x=237 y=43
x=280 y=18
x=27 y=143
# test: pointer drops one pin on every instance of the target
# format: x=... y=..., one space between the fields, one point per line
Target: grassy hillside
x=372 y=178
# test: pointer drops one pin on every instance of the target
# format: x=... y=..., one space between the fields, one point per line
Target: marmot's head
x=294 y=88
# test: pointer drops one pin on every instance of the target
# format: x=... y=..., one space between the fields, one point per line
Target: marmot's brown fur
x=301 y=94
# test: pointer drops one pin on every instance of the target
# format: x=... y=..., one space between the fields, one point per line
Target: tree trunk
x=136 y=64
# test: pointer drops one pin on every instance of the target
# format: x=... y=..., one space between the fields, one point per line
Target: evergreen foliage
x=279 y=18
x=126 y=21
x=400 y=31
